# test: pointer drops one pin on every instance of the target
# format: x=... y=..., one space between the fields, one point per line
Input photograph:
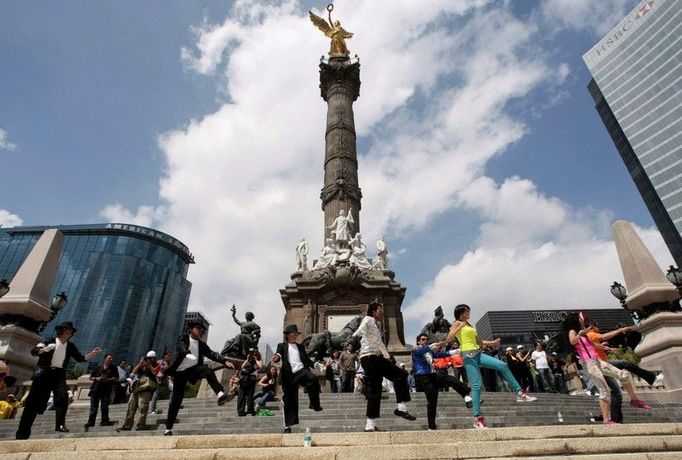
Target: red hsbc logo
x=645 y=9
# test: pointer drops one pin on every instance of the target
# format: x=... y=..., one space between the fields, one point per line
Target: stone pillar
x=340 y=87
x=656 y=302
x=27 y=305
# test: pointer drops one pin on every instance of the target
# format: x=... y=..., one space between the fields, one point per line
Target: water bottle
x=560 y=417
x=307 y=437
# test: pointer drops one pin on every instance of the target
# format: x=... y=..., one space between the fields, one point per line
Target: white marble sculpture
x=302 y=256
x=357 y=256
x=342 y=225
x=382 y=254
x=328 y=256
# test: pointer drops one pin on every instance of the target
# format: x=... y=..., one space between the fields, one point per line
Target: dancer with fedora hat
x=295 y=372
x=50 y=376
x=189 y=366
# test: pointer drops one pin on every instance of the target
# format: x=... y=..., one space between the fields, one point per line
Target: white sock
x=220 y=394
x=467 y=398
x=370 y=424
x=402 y=407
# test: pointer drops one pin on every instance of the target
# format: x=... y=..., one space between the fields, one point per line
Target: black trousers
x=304 y=378
x=376 y=368
x=347 y=381
x=99 y=398
x=180 y=379
x=428 y=384
x=44 y=382
x=444 y=380
x=247 y=387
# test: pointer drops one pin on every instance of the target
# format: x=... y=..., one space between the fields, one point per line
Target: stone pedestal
x=656 y=302
x=312 y=297
x=26 y=307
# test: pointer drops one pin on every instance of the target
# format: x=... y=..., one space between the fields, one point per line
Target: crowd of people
x=463 y=362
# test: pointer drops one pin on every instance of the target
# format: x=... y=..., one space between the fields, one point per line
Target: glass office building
x=126 y=284
x=637 y=89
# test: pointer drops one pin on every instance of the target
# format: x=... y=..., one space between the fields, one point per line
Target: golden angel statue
x=334 y=31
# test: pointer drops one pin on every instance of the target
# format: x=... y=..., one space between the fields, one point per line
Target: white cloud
x=8 y=219
x=596 y=16
x=5 y=144
x=241 y=185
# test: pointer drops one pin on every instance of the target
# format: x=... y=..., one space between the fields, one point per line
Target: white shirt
x=295 y=358
x=371 y=342
x=192 y=357
x=59 y=353
x=540 y=358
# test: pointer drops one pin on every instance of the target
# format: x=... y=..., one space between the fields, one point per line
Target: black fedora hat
x=65 y=325
x=194 y=323
x=291 y=329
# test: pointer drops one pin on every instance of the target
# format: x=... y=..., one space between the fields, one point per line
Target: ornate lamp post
x=674 y=275
x=619 y=292
x=4 y=287
x=59 y=301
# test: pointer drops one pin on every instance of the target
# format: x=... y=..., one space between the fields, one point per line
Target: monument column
x=340 y=87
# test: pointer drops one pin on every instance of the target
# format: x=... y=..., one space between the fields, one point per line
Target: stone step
x=628 y=442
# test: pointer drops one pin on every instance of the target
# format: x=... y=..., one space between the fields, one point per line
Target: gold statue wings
x=334 y=31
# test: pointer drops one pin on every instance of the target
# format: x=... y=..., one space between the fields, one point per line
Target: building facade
x=637 y=90
x=526 y=327
x=127 y=285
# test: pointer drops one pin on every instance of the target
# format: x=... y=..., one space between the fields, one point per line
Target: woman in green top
x=473 y=359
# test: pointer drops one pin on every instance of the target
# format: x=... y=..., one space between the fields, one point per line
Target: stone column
x=656 y=302
x=340 y=87
x=27 y=305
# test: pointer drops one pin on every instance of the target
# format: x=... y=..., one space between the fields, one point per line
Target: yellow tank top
x=467 y=338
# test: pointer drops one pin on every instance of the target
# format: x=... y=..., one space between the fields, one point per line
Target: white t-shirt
x=192 y=356
x=540 y=358
x=295 y=358
x=59 y=353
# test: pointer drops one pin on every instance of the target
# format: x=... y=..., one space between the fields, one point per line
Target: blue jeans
x=473 y=363
x=264 y=396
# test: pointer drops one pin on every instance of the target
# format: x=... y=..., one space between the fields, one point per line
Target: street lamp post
x=674 y=275
x=4 y=287
x=619 y=292
x=59 y=301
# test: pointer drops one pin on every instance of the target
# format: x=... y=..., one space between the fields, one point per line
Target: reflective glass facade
x=127 y=285
x=637 y=88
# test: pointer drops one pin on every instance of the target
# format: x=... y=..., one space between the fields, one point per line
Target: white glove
x=191 y=357
x=50 y=347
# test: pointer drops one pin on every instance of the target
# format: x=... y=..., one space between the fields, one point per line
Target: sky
x=481 y=157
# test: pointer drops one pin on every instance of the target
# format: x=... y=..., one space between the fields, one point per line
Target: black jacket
x=182 y=348
x=45 y=359
x=110 y=375
x=283 y=352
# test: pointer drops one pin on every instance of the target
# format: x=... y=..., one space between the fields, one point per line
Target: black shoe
x=168 y=433
x=371 y=430
x=123 y=428
x=62 y=429
x=404 y=414
x=287 y=429
x=316 y=409
x=107 y=423
x=87 y=426
x=142 y=428
x=222 y=399
x=241 y=414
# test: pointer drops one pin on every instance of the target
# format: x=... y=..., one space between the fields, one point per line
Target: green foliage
x=624 y=353
x=74 y=372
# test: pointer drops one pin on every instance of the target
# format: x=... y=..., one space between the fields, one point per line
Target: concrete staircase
x=521 y=430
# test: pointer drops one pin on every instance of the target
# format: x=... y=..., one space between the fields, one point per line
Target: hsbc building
x=637 y=90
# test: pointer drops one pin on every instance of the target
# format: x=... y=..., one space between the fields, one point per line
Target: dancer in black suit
x=296 y=371
x=189 y=367
x=50 y=376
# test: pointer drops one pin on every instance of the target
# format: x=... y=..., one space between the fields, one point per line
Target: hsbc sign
x=618 y=33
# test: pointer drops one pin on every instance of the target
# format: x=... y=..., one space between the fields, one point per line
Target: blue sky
x=482 y=158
